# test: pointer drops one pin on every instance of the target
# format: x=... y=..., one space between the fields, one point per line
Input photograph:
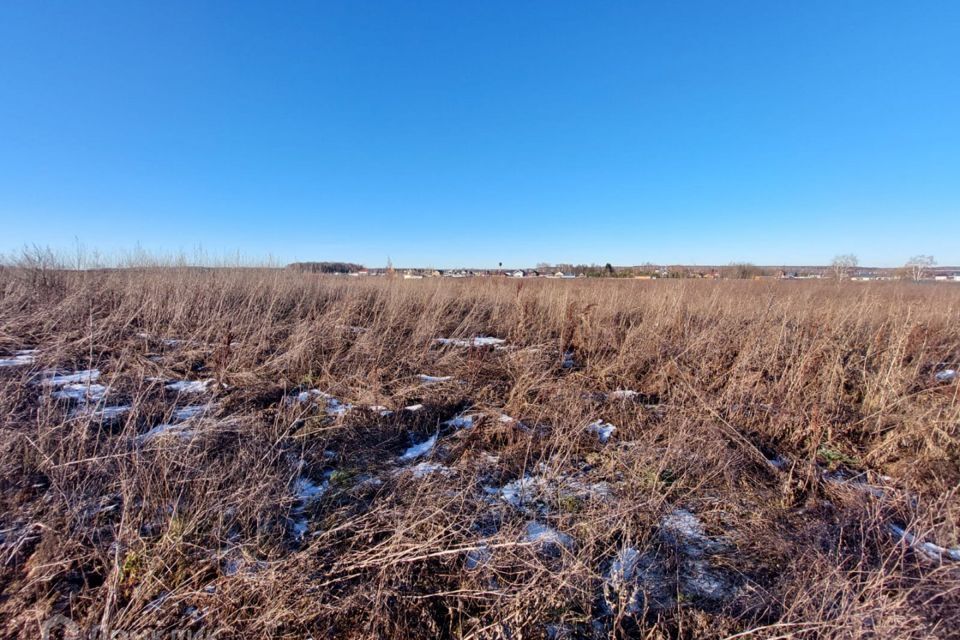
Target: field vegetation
x=272 y=453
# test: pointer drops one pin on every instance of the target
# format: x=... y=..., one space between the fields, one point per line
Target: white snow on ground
x=517 y=492
x=77 y=386
x=434 y=379
x=603 y=429
x=929 y=549
x=186 y=413
x=19 y=358
x=505 y=419
x=683 y=524
x=462 y=421
x=478 y=557
x=947 y=375
x=620 y=581
x=306 y=492
x=333 y=406
x=182 y=430
x=479 y=341
x=779 y=462
x=380 y=409
x=652 y=579
x=183 y=425
x=190 y=386
x=80 y=377
x=426 y=468
x=413 y=408
x=593 y=490
x=111 y=413
x=303 y=397
x=530 y=491
x=337 y=408
x=418 y=450
x=81 y=392
x=623 y=394
x=542 y=534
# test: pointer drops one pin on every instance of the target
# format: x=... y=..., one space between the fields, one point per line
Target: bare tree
x=917 y=266
x=843 y=265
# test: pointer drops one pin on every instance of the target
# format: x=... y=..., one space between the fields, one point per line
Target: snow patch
x=336 y=408
x=929 y=549
x=518 y=492
x=182 y=426
x=82 y=393
x=434 y=379
x=531 y=491
x=947 y=375
x=333 y=406
x=80 y=377
x=111 y=413
x=189 y=412
x=479 y=341
x=477 y=558
x=189 y=386
x=603 y=430
x=462 y=421
x=426 y=468
x=306 y=492
x=380 y=409
x=418 y=450
x=548 y=537
x=638 y=581
x=19 y=358
x=304 y=397
x=181 y=429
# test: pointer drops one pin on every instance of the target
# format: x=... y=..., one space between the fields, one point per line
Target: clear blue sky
x=470 y=133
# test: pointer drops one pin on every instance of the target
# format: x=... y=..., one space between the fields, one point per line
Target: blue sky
x=471 y=133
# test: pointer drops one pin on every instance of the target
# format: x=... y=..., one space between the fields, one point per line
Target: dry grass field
x=262 y=454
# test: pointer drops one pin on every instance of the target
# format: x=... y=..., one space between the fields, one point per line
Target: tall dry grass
x=797 y=421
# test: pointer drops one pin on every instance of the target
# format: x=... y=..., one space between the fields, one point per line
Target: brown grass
x=195 y=533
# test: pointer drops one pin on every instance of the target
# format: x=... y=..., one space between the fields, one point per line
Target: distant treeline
x=325 y=267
